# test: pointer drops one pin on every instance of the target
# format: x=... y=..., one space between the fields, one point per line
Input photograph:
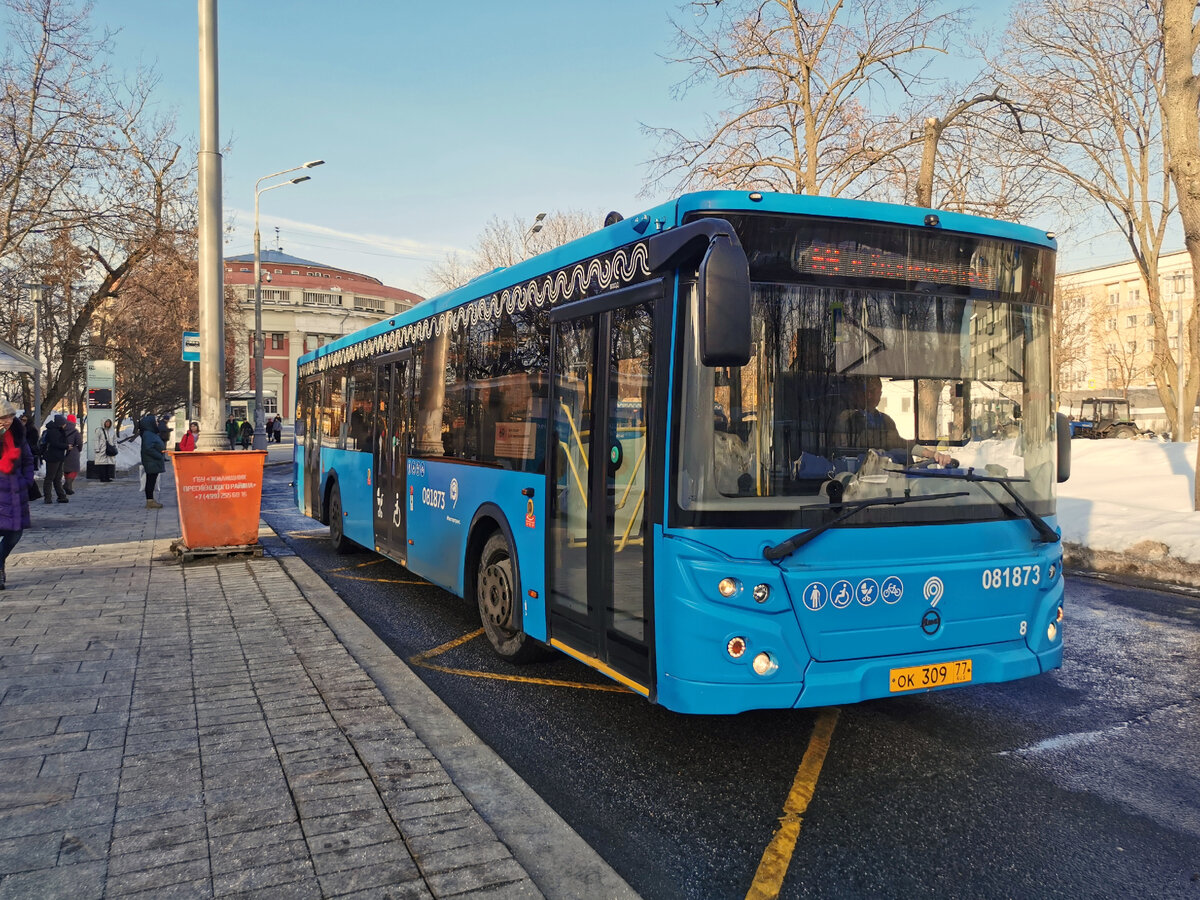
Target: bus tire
x=337 y=523
x=496 y=595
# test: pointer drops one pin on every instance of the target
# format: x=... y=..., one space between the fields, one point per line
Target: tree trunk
x=1182 y=120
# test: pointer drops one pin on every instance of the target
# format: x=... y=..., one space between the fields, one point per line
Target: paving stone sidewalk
x=198 y=730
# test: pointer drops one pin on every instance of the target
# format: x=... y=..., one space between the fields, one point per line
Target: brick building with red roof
x=305 y=305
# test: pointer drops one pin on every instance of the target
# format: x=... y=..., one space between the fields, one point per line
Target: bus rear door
x=393 y=378
x=310 y=404
x=598 y=558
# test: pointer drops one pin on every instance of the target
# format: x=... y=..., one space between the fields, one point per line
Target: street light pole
x=260 y=431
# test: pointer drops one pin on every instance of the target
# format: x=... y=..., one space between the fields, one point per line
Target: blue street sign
x=191 y=346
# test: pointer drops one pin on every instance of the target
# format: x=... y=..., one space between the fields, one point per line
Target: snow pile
x=1122 y=493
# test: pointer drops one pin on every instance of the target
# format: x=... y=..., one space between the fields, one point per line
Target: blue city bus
x=741 y=451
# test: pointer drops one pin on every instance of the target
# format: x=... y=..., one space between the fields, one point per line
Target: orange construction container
x=220 y=496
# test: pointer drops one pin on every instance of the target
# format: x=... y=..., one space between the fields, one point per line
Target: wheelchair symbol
x=841 y=594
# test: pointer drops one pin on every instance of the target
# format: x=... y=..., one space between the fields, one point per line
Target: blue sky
x=431 y=117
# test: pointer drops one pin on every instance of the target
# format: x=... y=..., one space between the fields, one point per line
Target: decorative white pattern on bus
x=598 y=273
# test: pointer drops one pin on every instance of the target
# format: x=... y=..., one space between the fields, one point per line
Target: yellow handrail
x=570 y=459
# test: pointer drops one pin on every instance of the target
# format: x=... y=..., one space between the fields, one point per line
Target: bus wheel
x=337 y=522
x=496 y=594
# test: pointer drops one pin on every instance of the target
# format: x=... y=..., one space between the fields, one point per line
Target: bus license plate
x=918 y=678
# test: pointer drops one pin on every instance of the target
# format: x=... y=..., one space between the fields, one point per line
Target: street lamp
x=1179 y=286
x=533 y=230
x=260 y=432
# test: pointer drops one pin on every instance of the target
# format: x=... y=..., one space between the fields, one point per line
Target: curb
x=559 y=861
x=1148 y=561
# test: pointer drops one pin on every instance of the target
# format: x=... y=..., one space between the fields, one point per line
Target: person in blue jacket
x=154 y=457
x=16 y=475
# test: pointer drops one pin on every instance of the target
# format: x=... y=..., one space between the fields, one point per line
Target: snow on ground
x=1121 y=493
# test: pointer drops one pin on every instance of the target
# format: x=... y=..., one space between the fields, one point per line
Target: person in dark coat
x=74 y=451
x=54 y=452
x=154 y=457
x=16 y=475
x=231 y=431
x=246 y=434
x=31 y=438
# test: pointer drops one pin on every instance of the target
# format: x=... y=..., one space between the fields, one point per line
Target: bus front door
x=391 y=456
x=599 y=575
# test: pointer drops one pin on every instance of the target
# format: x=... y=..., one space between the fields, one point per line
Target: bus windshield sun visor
x=796 y=541
x=723 y=286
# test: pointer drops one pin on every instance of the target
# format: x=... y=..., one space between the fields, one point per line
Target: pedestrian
x=277 y=429
x=247 y=434
x=74 y=452
x=31 y=439
x=54 y=452
x=188 y=443
x=105 y=451
x=231 y=430
x=16 y=477
x=154 y=457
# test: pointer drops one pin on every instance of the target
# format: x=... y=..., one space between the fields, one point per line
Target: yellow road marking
x=449 y=645
x=376 y=580
x=773 y=866
x=373 y=562
x=337 y=573
x=421 y=659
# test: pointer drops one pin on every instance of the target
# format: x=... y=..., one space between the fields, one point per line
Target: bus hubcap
x=496 y=594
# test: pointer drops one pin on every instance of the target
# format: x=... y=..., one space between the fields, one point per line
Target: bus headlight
x=764 y=665
x=728 y=586
x=762 y=593
x=736 y=647
x=1051 y=631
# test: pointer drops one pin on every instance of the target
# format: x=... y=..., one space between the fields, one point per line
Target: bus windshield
x=882 y=354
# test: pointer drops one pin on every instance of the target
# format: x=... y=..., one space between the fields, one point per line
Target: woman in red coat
x=16 y=475
x=189 y=440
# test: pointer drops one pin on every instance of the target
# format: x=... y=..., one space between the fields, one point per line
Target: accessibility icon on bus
x=841 y=594
x=815 y=596
x=892 y=589
x=868 y=591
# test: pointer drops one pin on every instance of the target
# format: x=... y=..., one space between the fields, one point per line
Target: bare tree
x=1093 y=74
x=811 y=89
x=91 y=185
x=506 y=242
x=1076 y=330
x=1181 y=100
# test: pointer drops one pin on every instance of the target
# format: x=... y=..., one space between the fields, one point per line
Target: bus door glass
x=391 y=456
x=311 y=405
x=598 y=563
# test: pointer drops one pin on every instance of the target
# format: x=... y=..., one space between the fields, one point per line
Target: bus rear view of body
x=740 y=451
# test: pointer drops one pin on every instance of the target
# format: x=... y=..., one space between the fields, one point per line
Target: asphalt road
x=1080 y=783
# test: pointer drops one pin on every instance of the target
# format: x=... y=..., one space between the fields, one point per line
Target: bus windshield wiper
x=1046 y=534
x=796 y=541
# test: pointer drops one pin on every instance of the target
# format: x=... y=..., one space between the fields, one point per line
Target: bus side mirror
x=1063 y=430
x=724 y=307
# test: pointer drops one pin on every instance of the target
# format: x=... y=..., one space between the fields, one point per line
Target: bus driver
x=864 y=426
